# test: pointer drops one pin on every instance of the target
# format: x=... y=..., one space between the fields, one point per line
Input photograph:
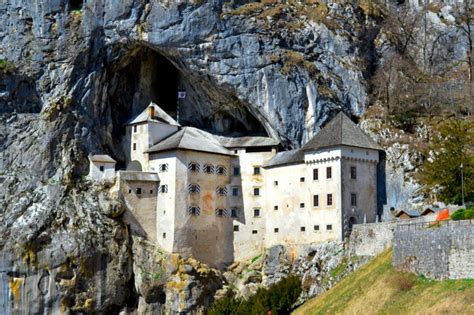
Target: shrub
x=402 y=281
x=463 y=214
x=279 y=298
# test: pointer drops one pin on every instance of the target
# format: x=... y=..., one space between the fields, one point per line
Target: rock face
x=72 y=72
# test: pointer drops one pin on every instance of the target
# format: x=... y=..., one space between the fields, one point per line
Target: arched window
x=194 y=167
x=221 y=212
x=221 y=170
x=193 y=210
x=194 y=188
x=221 y=191
x=208 y=169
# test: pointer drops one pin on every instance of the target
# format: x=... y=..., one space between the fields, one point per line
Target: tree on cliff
x=451 y=148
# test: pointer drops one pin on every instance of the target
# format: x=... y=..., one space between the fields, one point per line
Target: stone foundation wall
x=371 y=239
x=436 y=252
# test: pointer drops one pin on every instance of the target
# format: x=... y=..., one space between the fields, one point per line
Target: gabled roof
x=159 y=115
x=286 y=158
x=101 y=158
x=410 y=213
x=245 y=142
x=341 y=131
x=190 y=138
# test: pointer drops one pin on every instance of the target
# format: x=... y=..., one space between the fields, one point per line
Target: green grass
x=378 y=288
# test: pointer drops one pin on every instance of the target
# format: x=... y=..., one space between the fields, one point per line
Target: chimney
x=151 y=111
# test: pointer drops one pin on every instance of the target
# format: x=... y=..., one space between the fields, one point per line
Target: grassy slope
x=375 y=289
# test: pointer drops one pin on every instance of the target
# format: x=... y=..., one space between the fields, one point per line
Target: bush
x=279 y=298
x=403 y=281
x=463 y=214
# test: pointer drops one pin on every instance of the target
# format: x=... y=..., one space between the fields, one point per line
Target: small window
x=164 y=235
x=236 y=228
x=221 y=191
x=366 y=152
x=301 y=179
x=276 y=230
x=315 y=174
x=256 y=191
x=302 y=205
x=353 y=172
x=236 y=151
x=236 y=171
x=208 y=169
x=275 y=183
x=134 y=147
x=163 y=189
x=194 y=189
x=256 y=213
x=235 y=191
x=329 y=199
x=151 y=191
x=303 y=228
x=315 y=201
x=254 y=231
x=101 y=168
x=221 y=170
x=256 y=170
x=234 y=213
x=275 y=207
x=328 y=172
x=163 y=167
x=316 y=227
x=192 y=210
x=221 y=212
x=194 y=167
x=353 y=200
x=129 y=191
x=329 y=227
x=135 y=128
x=139 y=191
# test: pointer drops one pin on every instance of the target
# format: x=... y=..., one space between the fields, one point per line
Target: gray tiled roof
x=244 y=142
x=139 y=176
x=341 y=131
x=286 y=158
x=101 y=158
x=159 y=116
x=411 y=213
x=190 y=138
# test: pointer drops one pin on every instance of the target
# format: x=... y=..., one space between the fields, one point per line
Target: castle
x=223 y=199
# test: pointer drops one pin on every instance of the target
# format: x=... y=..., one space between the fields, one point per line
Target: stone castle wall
x=436 y=252
x=371 y=239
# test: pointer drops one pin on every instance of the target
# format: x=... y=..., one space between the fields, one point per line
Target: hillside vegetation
x=378 y=288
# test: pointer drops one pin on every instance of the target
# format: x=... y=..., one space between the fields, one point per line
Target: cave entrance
x=145 y=76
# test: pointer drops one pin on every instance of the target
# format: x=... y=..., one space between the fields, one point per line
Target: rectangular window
x=328 y=172
x=353 y=172
x=235 y=191
x=275 y=183
x=301 y=179
x=135 y=128
x=302 y=205
x=256 y=191
x=129 y=191
x=164 y=235
x=236 y=171
x=163 y=167
x=275 y=207
x=315 y=174
x=315 y=201
x=276 y=230
x=234 y=213
x=303 y=228
x=329 y=227
x=256 y=170
x=163 y=189
x=316 y=227
x=329 y=197
x=256 y=213
x=101 y=168
x=353 y=200
x=151 y=191
x=139 y=191
x=236 y=228
x=134 y=147
x=254 y=231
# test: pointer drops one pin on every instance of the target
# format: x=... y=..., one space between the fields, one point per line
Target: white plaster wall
x=140 y=138
x=96 y=174
x=246 y=244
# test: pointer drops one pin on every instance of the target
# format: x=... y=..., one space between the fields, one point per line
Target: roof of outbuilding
x=139 y=176
x=190 y=138
x=159 y=115
x=410 y=213
x=286 y=158
x=244 y=142
x=101 y=158
x=341 y=130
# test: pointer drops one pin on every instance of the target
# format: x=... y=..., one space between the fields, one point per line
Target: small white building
x=101 y=167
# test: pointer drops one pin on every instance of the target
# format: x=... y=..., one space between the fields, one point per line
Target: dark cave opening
x=75 y=5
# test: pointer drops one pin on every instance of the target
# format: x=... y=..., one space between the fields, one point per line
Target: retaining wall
x=371 y=239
